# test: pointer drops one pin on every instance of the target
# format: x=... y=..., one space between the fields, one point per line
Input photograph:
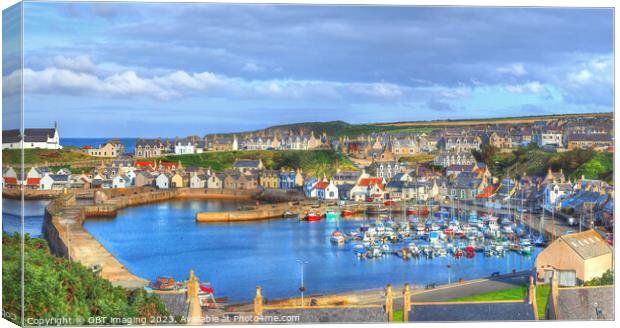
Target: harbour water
x=33 y=216
x=164 y=239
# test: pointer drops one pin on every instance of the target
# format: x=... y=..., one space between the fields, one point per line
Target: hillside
x=58 y=288
x=312 y=162
x=536 y=162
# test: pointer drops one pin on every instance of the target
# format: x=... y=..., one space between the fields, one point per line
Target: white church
x=43 y=138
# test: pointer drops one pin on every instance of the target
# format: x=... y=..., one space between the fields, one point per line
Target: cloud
x=252 y=67
x=80 y=76
x=529 y=87
x=78 y=63
x=517 y=69
x=439 y=106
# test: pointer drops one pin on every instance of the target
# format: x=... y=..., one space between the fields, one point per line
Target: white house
x=215 y=182
x=197 y=181
x=163 y=181
x=44 y=138
x=184 y=146
x=54 y=182
x=326 y=190
x=121 y=181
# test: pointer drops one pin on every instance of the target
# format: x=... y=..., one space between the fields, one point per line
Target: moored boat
x=337 y=237
x=313 y=216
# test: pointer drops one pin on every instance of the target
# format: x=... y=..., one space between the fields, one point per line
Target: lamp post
x=302 y=289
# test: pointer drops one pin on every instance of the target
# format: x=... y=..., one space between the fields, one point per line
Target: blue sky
x=123 y=69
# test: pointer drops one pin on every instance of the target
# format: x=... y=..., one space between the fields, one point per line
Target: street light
x=302 y=289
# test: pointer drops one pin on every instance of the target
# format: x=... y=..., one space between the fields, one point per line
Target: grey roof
x=588 y=303
x=148 y=142
x=345 y=187
x=335 y=314
x=589 y=137
x=31 y=135
x=474 y=311
x=587 y=244
x=59 y=177
x=175 y=303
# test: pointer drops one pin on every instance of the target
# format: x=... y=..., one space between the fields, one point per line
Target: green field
x=43 y=156
x=512 y=294
x=56 y=287
x=312 y=162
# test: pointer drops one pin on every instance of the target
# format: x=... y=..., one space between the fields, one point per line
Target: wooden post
x=389 y=308
x=195 y=310
x=406 y=302
x=258 y=304
x=532 y=297
x=554 y=297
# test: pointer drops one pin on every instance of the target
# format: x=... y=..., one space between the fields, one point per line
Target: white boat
x=337 y=238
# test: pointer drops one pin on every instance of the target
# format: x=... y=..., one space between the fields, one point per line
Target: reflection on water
x=164 y=239
x=33 y=216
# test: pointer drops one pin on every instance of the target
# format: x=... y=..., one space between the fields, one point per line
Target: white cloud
x=529 y=87
x=79 y=63
x=80 y=76
x=517 y=69
x=252 y=67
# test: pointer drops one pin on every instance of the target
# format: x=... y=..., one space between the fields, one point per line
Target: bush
x=59 y=288
x=605 y=280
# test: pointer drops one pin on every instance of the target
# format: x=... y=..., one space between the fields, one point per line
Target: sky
x=156 y=69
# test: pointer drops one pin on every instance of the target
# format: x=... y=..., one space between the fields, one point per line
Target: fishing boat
x=374 y=210
x=470 y=250
x=337 y=237
x=526 y=247
x=313 y=216
x=389 y=203
x=347 y=213
x=419 y=212
x=540 y=241
x=163 y=283
x=332 y=215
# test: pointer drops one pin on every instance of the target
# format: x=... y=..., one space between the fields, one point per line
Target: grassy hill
x=536 y=162
x=312 y=162
x=58 y=288
x=42 y=156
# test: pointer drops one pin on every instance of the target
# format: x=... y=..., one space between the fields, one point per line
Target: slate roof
x=474 y=311
x=587 y=244
x=148 y=142
x=587 y=303
x=589 y=137
x=336 y=314
x=175 y=303
x=32 y=135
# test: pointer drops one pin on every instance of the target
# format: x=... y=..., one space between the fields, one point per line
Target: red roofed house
x=487 y=192
x=368 y=187
x=33 y=183
x=171 y=165
x=326 y=190
x=145 y=165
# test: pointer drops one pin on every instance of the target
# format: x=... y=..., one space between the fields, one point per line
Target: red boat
x=347 y=213
x=314 y=216
x=471 y=251
x=422 y=212
x=389 y=202
x=448 y=231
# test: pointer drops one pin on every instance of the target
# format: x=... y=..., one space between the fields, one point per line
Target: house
x=597 y=141
x=54 y=182
x=121 y=181
x=33 y=184
x=460 y=143
x=198 y=181
x=326 y=190
x=346 y=177
x=143 y=178
x=580 y=303
x=177 y=181
x=163 y=181
x=112 y=148
x=287 y=179
x=148 y=148
x=43 y=138
x=501 y=140
x=185 y=146
x=269 y=179
x=446 y=159
x=244 y=165
x=456 y=169
x=420 y=190
x=309 y=190
x=576 y=257
x=548 y=137
x=215 y=181
x=145 y=165
x=344 y=191
x=464 y=187
x=554 y=192
x=368 y=187
x=384 y=169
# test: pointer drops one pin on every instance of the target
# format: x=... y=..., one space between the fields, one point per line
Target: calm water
x=33 y=216
x=164 y=239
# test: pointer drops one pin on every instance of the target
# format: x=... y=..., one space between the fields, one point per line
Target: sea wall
x=263 y=212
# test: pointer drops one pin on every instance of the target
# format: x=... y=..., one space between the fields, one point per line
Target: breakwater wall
x=64 y=218
x=262 y=212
